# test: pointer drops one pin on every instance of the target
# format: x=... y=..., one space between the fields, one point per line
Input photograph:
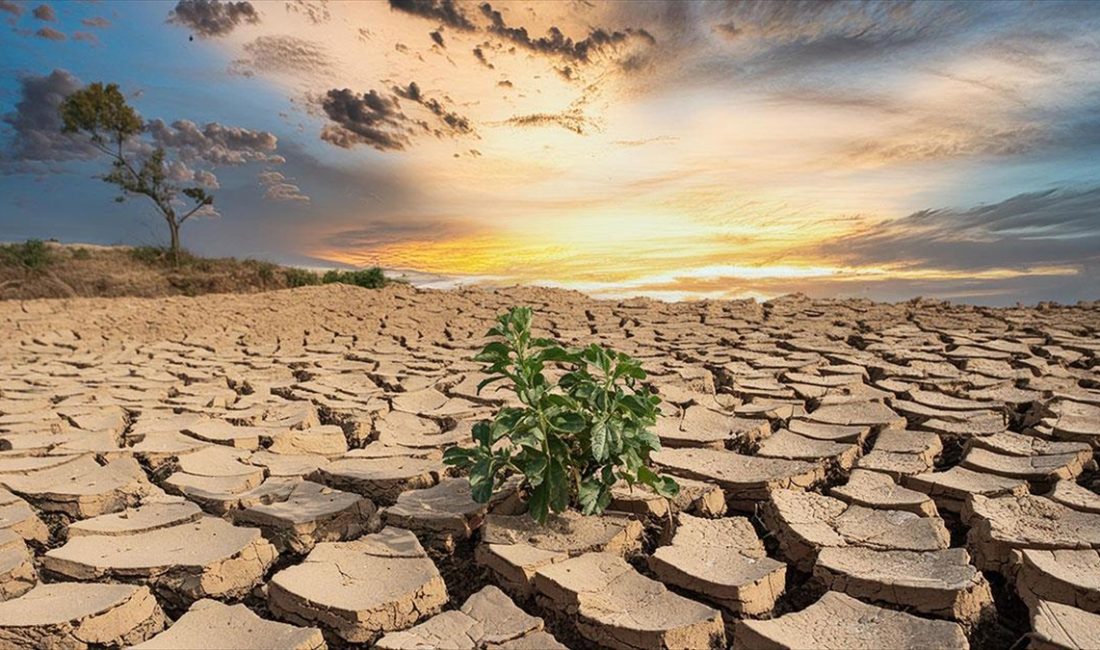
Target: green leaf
x=558 y=481
x=485 y=382
x=535 y=469
x=569 y=422
x=648 y=440
x=458 y=457
x=538 y=503
x=554 y=353
x=493 y=352
x=598 y=441
x=666 y=487
x=483 y=434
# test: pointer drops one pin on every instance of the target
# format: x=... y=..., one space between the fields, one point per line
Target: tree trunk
x=174 y=246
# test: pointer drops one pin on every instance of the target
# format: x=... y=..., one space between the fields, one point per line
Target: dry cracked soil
x=264 y=471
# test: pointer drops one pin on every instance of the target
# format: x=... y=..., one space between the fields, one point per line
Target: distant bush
x=161 y=256
x=81 y=254
x=151 y=255
x=371 y=278
x=32 y=254
x=300 y=277
x=264 y=270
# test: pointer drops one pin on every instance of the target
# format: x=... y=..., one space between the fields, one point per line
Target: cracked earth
x=264 y=471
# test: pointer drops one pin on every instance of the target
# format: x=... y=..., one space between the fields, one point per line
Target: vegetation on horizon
x=101 y=112
x=37 y=269
x=571 y=441
x=32 y=255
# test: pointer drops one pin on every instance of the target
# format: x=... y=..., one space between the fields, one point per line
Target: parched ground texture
x=264 y=471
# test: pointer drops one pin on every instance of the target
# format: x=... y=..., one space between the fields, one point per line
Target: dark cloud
x=479 y=54
x=1051 y=227
x=437 y=37
x=50 y=34
x=279 y=188
x=210 y=18
x=13 y=8
x=453 y=122
x=371 y=119
x=86 y=37
x=728 y=31
x=445 y=11
x=571 y=120
x=556 y=43
x=98 y=22
x=213 y=143
x=46 y=13
x=282 y=52
x=35 y=127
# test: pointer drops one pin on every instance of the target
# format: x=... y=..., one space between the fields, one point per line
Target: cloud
x=480 y=56
x=1058 y=226
x=445 y=11
x=316 y=12
x=571 y=120
x=400 y=229
x=35 y=126
x=728 y=31
x=86 y=37
x=98 y=22
x=279 y=188
x=943 y=141
x=213 y=143
x=558 y=44
x=13 y=8
x=45 y=13
x=210 y=18
x=370 y=119
x=180 y=172
x=453 y=122
x=50 y=34
x=282 y=52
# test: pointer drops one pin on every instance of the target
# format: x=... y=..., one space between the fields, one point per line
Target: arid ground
x=265 y=471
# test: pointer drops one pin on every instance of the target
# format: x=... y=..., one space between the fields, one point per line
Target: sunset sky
x=675 y=150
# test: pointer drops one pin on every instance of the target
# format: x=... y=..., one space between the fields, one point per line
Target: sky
x=677 y=150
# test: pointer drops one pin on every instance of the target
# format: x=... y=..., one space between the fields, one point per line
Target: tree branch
x=191 y=212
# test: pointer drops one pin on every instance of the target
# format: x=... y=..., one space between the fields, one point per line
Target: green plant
x=571 y=441
x=371 y=278
x=32 y=254
x=300 y=277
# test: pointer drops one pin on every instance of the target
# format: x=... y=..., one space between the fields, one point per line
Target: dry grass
x=49 y=270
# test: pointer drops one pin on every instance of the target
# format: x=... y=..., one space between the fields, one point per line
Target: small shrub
x=300 y=277
x=32 y=254
x=82 y=254
x=161 y=256
x=371 y=278
x=151 y=255
x=571 y=441
x=264 y=270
